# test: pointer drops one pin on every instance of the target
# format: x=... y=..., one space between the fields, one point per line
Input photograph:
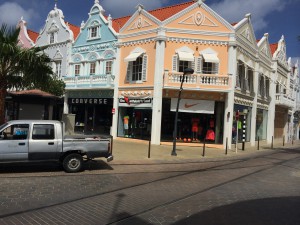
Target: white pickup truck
x=38 y=140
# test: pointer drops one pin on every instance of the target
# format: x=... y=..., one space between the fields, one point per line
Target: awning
x=212 y=58
x=185 y=56
x=133 y=56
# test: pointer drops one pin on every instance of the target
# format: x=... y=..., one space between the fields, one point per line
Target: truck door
x=14 y=142
x=43 y=142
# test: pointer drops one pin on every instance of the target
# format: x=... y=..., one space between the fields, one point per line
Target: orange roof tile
x=160 y=13
x=166 y=12
x=74 y=29
x=119 y=23
x=273 y=47
x=32 y=35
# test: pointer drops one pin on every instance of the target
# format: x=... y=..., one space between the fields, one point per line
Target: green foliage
x=23 y=68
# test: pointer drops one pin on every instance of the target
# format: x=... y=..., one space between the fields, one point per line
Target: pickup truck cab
x=39 y=140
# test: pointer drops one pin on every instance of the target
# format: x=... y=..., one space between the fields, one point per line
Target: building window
x=77 y=70
x=58 y=68
x=267 y=88
x=51 y=40
x=92 y=68
x=108 y=67
x=94 y=32
x=137 y=68
x=183 y=65
x=209 y=68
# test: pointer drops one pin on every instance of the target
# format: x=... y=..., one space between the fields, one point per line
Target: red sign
x=113 y=110
x=237 y=115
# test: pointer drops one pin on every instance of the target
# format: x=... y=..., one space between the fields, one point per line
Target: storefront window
x=135 y=122
x=261 y=124
x=193 y=127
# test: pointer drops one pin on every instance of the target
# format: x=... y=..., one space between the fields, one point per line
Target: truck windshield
x=2 y=126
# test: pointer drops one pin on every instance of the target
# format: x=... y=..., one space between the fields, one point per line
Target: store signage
x=90 y=101
x=135 y=102
x=193 y=106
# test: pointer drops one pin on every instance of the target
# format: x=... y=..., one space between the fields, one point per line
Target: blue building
x=90 y=80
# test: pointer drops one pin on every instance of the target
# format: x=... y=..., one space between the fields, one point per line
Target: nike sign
x=189 y=105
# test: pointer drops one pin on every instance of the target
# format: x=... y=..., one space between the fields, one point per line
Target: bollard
x=283 y=140
x=226 y=146
x=111 y=143
x=149 y=147
x=203 y=153
x=272 y=142
x=258 y=143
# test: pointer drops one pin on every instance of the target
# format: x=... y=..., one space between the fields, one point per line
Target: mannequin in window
x=195 y=129
x=126 y=127
x=210 y=134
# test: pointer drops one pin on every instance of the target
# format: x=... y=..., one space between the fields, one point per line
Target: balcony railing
x=194 y=81
x=284 y=100
x=91 y=81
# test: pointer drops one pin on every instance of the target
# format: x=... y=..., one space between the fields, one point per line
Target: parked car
x=38 y=140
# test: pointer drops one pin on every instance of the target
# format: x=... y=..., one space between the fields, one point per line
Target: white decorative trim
x=242 y=101
x=141 y=93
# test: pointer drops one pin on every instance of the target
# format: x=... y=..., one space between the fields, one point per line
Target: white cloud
x=10 y=13
x=119 y=8
x=235 y=10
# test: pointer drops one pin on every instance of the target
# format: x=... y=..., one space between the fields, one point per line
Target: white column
x=157 y=92
x=271 y=111
x=66 y=106
x=254 y=105
x=116 y=65
x=229 y=101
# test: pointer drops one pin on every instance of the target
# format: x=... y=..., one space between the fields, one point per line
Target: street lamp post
x=187 y=71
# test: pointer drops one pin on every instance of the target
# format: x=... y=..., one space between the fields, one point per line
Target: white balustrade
x=88 y=81
x=173 y=78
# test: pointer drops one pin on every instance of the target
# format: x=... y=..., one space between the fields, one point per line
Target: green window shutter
x=144 y=70
x=129 y=71
x=199 y=64
x=175 y=63
x=216 y=68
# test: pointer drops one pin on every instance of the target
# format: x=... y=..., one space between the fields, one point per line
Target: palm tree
x=20 y=67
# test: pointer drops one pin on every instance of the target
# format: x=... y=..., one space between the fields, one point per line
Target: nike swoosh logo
x=189 y=105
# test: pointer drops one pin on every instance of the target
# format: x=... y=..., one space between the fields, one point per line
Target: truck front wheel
x=72 y=163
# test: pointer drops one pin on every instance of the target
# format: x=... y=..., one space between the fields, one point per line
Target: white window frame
x=51 y=38
x=57 y=68
x=209 y=67
x=137 y=70
x=109 y=67
x=92 y=68
x=94 y=31
x=77 y=68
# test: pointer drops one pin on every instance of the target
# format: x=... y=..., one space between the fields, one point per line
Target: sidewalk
x=136 y=151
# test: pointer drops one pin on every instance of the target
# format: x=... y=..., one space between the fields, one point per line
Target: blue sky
x=276 y=17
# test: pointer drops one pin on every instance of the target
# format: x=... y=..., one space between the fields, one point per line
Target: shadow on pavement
x=275 y=211
x=39 y=167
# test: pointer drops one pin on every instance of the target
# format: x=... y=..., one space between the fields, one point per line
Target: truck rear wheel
x=72 y=163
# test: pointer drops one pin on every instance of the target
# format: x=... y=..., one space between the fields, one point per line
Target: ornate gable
x=245 y=32
x=141 y=20
x=198 y=17
x=280 y=53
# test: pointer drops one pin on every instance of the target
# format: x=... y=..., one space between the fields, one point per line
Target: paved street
x=258 y=188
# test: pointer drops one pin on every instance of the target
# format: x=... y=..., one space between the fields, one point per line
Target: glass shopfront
x=135 y=118
x=197 y=120
x=245 y=114
x=92 y=115
x=261 y=124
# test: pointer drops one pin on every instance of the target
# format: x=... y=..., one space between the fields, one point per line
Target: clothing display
x=126 y=121
x=210 y=135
